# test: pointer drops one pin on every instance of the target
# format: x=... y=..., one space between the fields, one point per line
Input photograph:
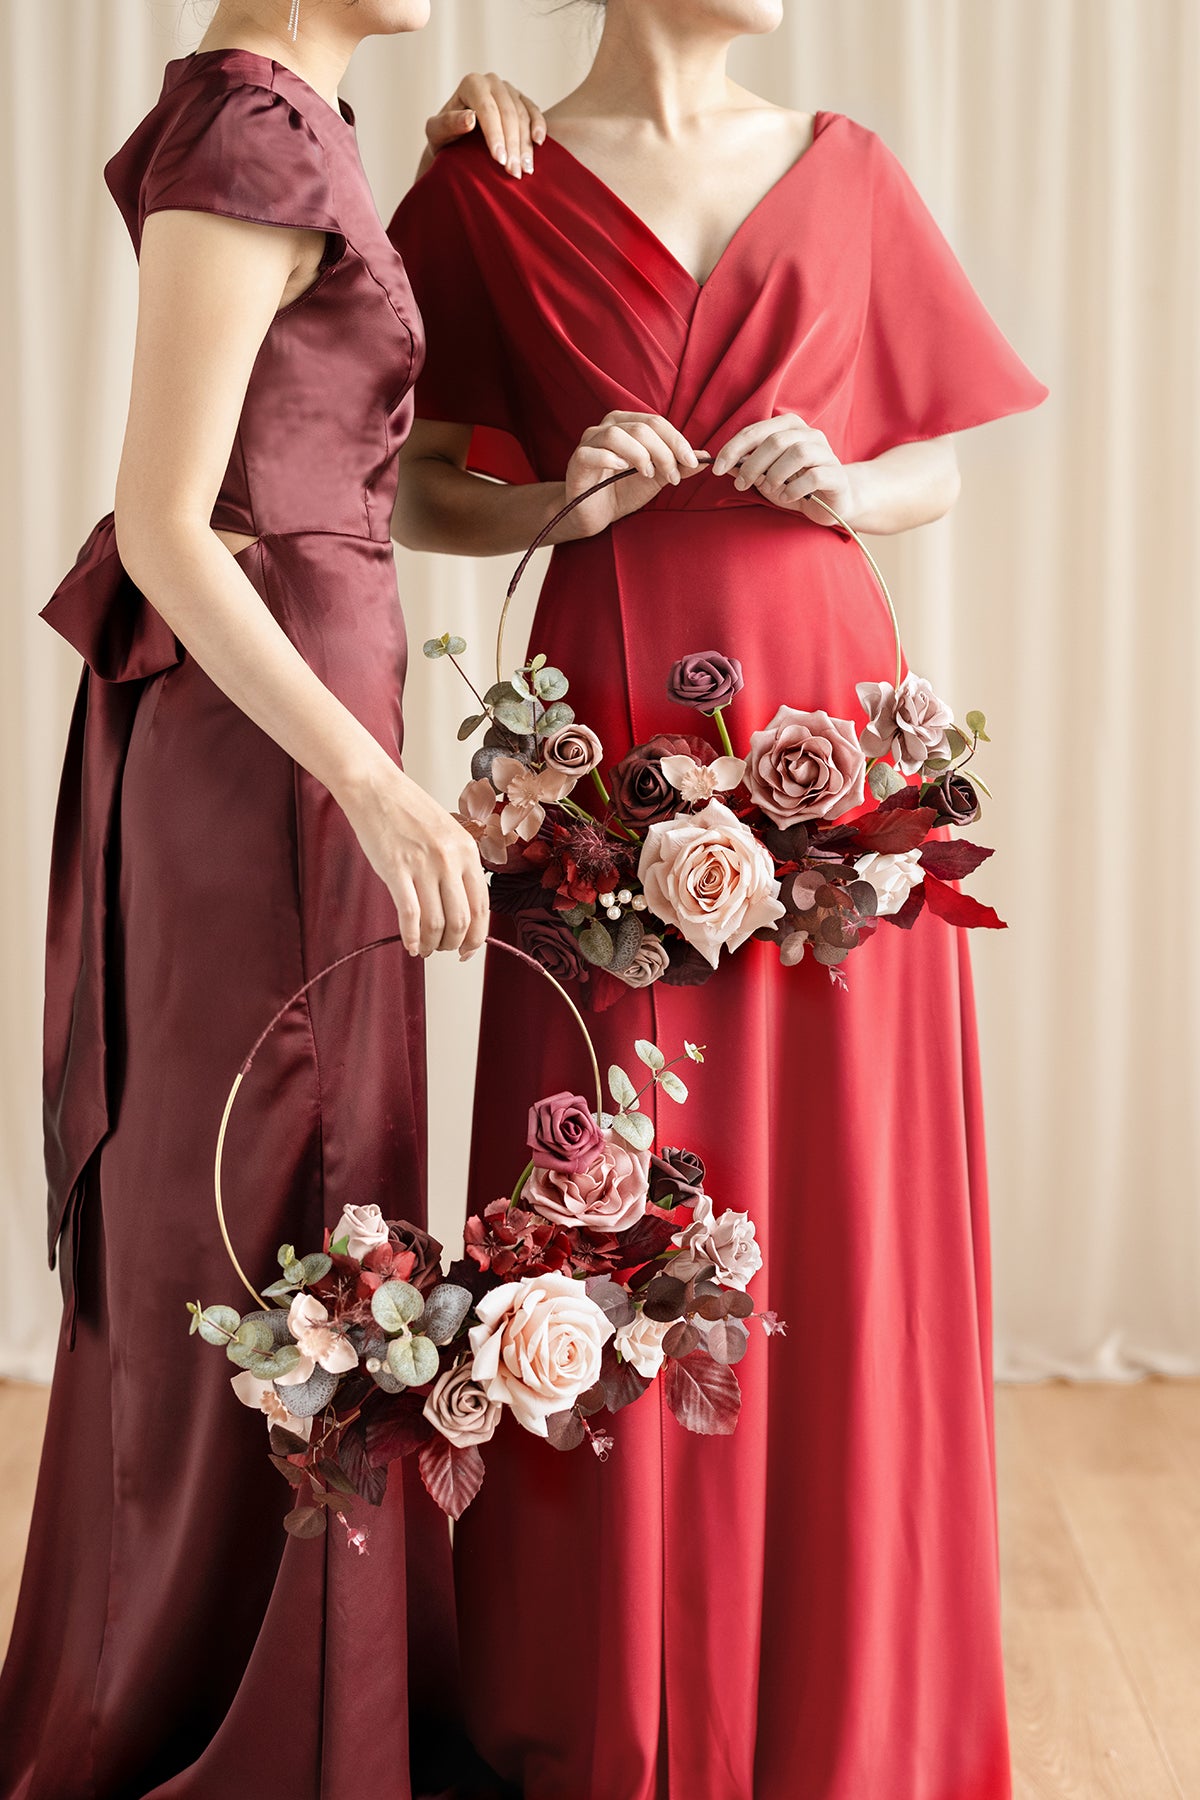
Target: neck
x=320 y=54
x=665 y=72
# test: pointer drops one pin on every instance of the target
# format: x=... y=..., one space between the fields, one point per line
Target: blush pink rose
x=608 y=1195
x=708 y=875
x=908 y=723
x=538 y=1346
x=805 y=765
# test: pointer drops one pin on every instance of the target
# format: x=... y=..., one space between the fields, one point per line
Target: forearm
x=909 y=485
x=218 y=616
x=440 y=506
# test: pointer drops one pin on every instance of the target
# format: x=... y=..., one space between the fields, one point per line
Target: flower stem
x=526 y=1172
x=718 y=716
x=487 y=709
x=600 y=787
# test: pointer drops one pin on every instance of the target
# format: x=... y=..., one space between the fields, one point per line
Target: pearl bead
x=624 y=897
x=607 y=899
x=639 y=903
x=614 y=912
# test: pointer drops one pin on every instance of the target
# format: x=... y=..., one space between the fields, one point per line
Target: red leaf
x=565 y=1430
x=896 y=829
x=956 y=908
x=704 y=1395
x=453 y=1476
x=952 y=859
x=911 y=911
x=621 y=1382
x=902 y=800
x=369 y=1479
x=396 y=1429
x=305 y=1522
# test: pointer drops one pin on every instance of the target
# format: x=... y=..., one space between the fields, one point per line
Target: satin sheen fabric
x=808 y=1610
x=171 y=1640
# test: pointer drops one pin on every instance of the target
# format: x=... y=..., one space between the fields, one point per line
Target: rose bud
x=705 y=680
x=955 y=798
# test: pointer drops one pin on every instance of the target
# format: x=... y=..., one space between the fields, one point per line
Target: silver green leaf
x=412 y=1360
x=515 y=715
x=435 y=647
x=521 y=686
x=555 y=718
x=539 y=662
x=596 y=943
x=396 y=1304
x=673 y=1087
x=650 y=1054
x=884 y=780
x=217 y=1324
x=470 y=725
x=620 y=1086
x=456 y=645
x=316 y=1267
x=550 y=684
x=636 y=1128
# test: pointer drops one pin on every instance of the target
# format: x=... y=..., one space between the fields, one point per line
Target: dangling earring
x=294 y=20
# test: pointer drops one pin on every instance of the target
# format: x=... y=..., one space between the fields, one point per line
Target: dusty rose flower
x=563 y=1134
x=727 y=1239
x=805 y=765
x=526 y=793
x=649 y=965
x=551 y=944
x=697 y=782
x=908 y=723
x=955 y=798
x=319 y=1342
x=892 y=876
x=609 y=1195
x=640 y=1344
x=641 y=791
x=253 y=1392
x=458 y=1407
x=364 y=1228
x=706 y=680
x=576 y=750
x=707 y=874
x=477 y=814
x=538 y=1346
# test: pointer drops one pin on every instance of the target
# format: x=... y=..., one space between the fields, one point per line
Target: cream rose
x=892 y=876
x=608 y=1195
x=707 y=874
x=538 y=1346
x=640 y=1344
x=458 y=1407
x=727 y=1239
x=909 y=721
x=364 y=1229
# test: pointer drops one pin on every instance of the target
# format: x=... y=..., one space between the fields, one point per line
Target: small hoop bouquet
x=821 y=831
x=605 y=1271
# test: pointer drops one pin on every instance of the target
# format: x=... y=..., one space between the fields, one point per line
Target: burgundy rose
x=705 y=680
x=563 y=1134
x=550 y=944
x=955 y=798
x=641 y=792
x=675 y=1176
x=426 y=1252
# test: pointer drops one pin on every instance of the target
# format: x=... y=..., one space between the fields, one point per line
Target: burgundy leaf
x=369 y=1481
x=305 y=1522
x=594 y=1400
x=704 y=1395
x=565 y=1430
x=893 y=830
x=682 y=1339
x=738 y=1305
x=665 y=1299
x=286 y=1443
x=727 y=1341
x=453 y=1476
x=612 y=1299
x=396 y=1429
x=621 y=1382
x=952 y=860
x=911 y=911
x=903 y=800
x=648 y=1238
x=956 y=908
x=290 y=1472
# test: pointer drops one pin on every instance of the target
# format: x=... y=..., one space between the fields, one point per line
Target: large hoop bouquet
x=815 y=833
x=606 y=1270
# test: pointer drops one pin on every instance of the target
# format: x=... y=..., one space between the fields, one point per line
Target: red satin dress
x=808 y=1610
x=171 y=1640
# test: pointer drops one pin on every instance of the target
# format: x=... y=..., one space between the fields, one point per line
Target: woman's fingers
x=454 y=121
x=479 y=903
x=624 y=445
x=748 y=439
x=433 y=919
x=408 y=914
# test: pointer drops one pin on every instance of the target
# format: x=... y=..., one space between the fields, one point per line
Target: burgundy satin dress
x=171 y=1640
x=808 y=1610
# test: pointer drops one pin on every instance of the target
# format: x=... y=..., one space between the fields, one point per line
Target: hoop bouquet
x=606 y=1270
x=817 y=833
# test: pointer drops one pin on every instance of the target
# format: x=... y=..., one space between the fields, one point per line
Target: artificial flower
x=955 y=798
x=642 y=793
x=608 y=1195
x=363 y=1227
x=526 y=793
x=320 y=1343
x=253 y=1392
x=538 y=1346
x=697 y=782
x=805 y=765
x=650 y=963
x=908 y=723
x=576 y=750
x=726 y=1239
x=458 y=1407
x=706 y=680
x=477 y=814
x=640 y=1344
x=552 y=945
x=563 y=1133
x=706 y=874
x=892 y=876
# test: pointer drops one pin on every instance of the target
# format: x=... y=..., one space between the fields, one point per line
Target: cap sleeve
x=245 y=153
x=932 y=359
x=467 y=375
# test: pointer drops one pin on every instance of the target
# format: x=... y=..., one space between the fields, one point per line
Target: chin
x=741 y=18
x=385 y=18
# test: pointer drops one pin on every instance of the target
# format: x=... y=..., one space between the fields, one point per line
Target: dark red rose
x=706 y=680
x=955 y=799
x=641 y=792
x=676 y=1177
x=563 y=1134
x=551 y=944
x=415 y=1248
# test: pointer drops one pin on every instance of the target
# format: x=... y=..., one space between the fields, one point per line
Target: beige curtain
x=1058 y=143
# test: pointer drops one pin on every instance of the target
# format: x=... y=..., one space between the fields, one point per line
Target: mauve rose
x=640 y=1344
x=706 y=680
x=650 y=963
x=707 y=875
x=805 y=765
x=538 y=1346
x=640 y=790
x=727 y=1239
x=576 y=750
x=563 y=1134
x=908 y=723
x=458 y=1407
x=955 y=798
x=608 y=1195
x=550 y=944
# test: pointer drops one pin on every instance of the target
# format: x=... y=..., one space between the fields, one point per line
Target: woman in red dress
x=234 y=816
x=809 y=1609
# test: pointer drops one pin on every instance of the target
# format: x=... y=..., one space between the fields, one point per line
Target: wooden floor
x=1100 y=1540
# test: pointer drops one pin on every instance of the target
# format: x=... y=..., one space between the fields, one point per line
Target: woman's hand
x=429 y=863
x=651 y=444
x=511 y=124
x=790 y=463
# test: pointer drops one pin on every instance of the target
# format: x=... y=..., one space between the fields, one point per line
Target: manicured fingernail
x=498 y=152
x=527 y=162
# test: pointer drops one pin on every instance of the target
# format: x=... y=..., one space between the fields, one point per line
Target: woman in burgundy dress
x=809 y=1609
x=233 y=816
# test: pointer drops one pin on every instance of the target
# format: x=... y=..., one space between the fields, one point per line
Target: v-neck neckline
x=821 y=122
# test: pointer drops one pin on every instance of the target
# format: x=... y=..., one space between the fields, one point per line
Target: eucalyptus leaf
x=412 y=1360
x=435 y=647
x=520 y=685
x=933 y=765
x=636 y=1128
x=456 y=645
x=884 y=780
x=470 y=725
x=650 y=1054
x=673 y=1087
x=956 y=741
x=217 y=1324
x=396 y=1304
x=279 y=1290
x=539 y=662
x=514 y=715
x=620 y=1086
x=977 y=722
x=977 y=781
x=550 y=684
x=575 y=915
x=316 y=1267
x=446 y=1309
x=294 y=1272
x=596 y=944
x=555 y=718
x=499 y=690
x=286 y=1254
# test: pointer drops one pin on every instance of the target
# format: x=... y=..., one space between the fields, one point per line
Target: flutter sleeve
x=467 y=377
x=932 y=359
x=243 y=152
